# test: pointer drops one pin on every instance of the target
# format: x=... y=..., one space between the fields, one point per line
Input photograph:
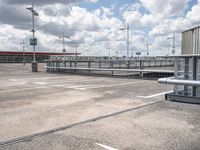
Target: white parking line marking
x=105 y=86
x=154 y=95
x=40 y=83
x=14 y=80
x=106 y=147
x=69 y=86
x=23 y=89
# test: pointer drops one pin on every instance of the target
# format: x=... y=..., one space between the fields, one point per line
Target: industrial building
x=18 y=57
x=191 y=41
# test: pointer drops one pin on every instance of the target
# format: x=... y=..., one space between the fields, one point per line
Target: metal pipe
x=178 y=82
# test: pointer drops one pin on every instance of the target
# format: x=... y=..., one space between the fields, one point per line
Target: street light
x=138 y=54
x=63 y=37
x=147 y=45
x=34 y=13
x=23 y=47
x=34 y=40
x=133 y=49
x=168 y=45
x=174 y=40
x=108 y=48
x=127 y=29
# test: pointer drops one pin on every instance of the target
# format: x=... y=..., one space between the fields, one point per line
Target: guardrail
x=112 y=66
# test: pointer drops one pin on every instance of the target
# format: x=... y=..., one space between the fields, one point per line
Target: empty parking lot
x=66 y=111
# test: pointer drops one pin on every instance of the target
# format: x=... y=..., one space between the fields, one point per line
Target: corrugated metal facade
x=191 y=41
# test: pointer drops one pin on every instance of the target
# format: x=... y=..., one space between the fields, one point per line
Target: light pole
x=127 y=29
x=147 y=45
x=33 y=41
x=23 y=47
x=63 y=38
x=174 y=45
x=132 y=51
x=138 y=54
x=116 y=52
x=168 y=45
x=108 y=49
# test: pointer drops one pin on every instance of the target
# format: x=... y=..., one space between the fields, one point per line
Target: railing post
x=194 y=88
x=128 y=64
x=70 y=63
x=99 y=64
x=119 y=64
x=140 y=67
x=89 y=66
x=65 y=65
x=111 y=66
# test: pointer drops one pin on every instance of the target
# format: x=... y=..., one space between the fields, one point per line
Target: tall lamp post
x=63 y=38
x=169 y=45
x=173 y=38
x=23 y=47
x=133 y=49
x=33 y=41
x=147 y=45
x=127 y=42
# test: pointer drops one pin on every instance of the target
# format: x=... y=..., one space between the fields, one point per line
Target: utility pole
x=169 y=44
x=116 y=52
x=33 y=21
x=108 y=48
x=63 y=38
x=33 y=41
x=132 y=51
x=23 y=47
x=147 y=45
x=127 y=39
x=174 y=43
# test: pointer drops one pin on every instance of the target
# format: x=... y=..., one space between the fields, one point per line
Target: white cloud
x=95 y=29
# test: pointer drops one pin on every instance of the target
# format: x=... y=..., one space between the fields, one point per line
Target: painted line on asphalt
x=57 y=84
x=106 y=147
x=154 y=95
x=41 y=78
x=105 y=86
x=23 y=89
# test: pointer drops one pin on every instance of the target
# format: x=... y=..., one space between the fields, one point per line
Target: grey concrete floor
x=35 y=102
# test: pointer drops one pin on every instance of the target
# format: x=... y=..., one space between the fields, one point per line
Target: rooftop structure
x=191 y=41
x=186 y=79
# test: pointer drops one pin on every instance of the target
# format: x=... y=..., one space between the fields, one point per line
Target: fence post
x=89 y=66
x=70 y=63
x=99 y=64
x=140 y=67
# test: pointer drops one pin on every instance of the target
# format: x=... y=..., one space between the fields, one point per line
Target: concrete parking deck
x=62 y=111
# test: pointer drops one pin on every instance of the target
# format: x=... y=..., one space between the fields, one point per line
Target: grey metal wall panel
x=191 y=41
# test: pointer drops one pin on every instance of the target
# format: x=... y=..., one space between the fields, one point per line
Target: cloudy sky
x=94 y=25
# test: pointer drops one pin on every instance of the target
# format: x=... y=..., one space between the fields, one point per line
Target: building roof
x=191 y=29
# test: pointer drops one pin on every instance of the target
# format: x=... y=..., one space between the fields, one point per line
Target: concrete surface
x=36 y=102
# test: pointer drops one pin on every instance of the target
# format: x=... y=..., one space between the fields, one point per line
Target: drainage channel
x=39 y=134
